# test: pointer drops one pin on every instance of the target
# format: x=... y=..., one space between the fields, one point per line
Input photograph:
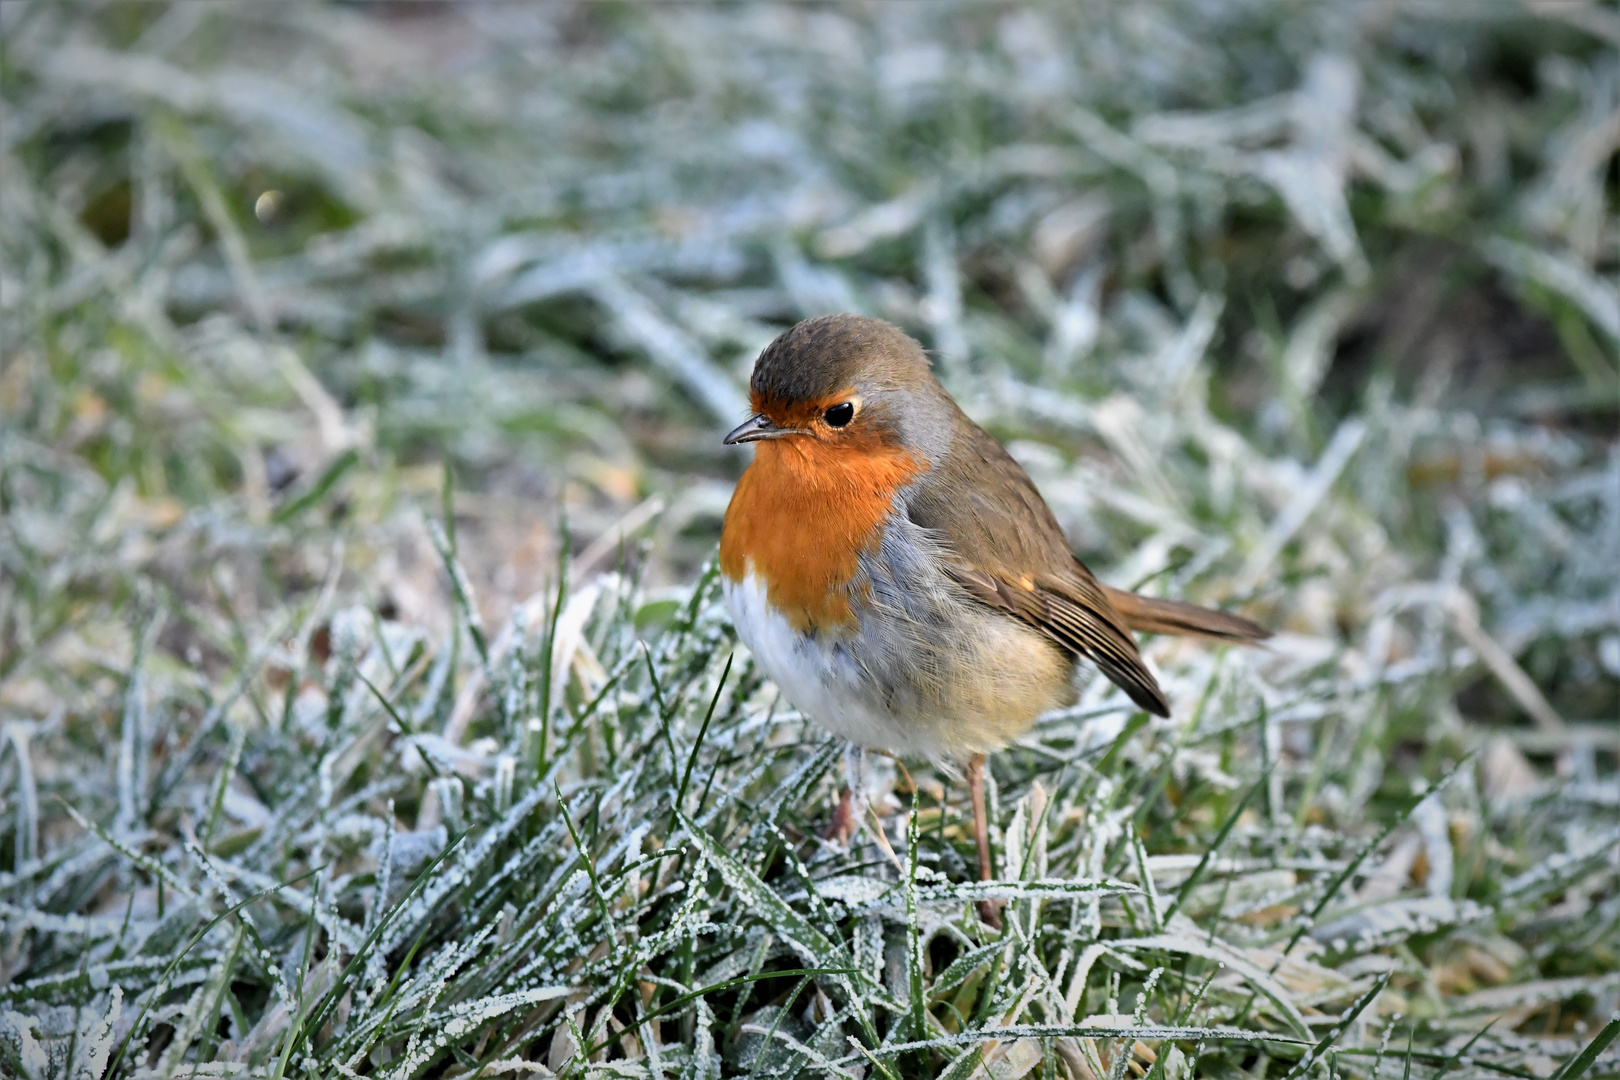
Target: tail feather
x=1147 y=615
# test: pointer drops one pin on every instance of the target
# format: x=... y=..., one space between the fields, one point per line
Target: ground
x=367 y=704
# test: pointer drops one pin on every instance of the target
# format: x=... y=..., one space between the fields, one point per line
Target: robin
x=895 y=572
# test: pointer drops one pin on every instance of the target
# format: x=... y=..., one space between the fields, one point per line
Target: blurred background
x=1308 y=308
x=1295 y=304
x=269 y=270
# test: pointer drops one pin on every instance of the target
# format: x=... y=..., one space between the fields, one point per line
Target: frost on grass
x=313 y=764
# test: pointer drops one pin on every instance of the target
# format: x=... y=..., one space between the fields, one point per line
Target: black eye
x=839 y=415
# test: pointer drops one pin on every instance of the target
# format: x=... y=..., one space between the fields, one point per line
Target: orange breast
x=802 y=514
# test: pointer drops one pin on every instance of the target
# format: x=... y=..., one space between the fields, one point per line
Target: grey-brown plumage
x=1011 y=554
x=999 y=543
x=895 y=571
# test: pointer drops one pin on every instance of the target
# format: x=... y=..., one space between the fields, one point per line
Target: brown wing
x=1075 y=625
x=1010 y=554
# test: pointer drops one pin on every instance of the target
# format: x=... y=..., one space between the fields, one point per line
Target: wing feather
x=1074 y=623
x=1009 y=553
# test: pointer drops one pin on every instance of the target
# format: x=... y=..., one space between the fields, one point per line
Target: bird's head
x=848 y=383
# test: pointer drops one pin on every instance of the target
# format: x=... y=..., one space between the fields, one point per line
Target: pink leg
x=989 y=910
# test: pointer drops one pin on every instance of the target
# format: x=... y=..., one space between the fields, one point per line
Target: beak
x=756 y=428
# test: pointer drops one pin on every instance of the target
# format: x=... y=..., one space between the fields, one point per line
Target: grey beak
x=754 y=429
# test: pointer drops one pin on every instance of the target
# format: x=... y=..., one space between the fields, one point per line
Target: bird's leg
x=989 y=910
x=981 y=825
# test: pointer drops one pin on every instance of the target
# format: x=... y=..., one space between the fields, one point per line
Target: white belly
x=942 y=680
x=821 y=676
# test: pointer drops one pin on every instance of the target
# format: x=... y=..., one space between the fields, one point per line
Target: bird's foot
x=846 y=819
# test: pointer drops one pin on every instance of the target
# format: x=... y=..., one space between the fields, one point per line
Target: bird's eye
x=839 y=415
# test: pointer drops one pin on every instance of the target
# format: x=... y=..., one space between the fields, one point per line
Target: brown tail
x=1147 y=615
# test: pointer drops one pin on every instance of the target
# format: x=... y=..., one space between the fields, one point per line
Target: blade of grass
x=123 y=1045
x=691 y=759
x=1576 y=1067
x=1225 y=830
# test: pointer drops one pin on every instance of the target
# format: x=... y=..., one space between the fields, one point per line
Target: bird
x=895 y=572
